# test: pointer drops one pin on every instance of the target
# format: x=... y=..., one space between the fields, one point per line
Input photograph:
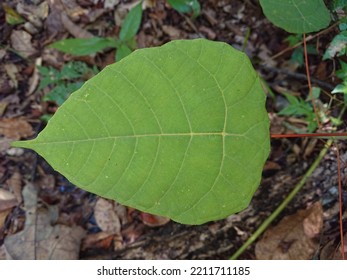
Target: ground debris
x=294 y=236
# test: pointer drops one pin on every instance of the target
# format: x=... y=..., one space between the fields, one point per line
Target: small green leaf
x=297 y=16
x=12 y=17
x=340 y=88
x=61 y=92
x=337 y=46
x=179 y=131
x=186 y=6
x=131 y=23
x=122 y=51
x=84 y=46
x=342 y=73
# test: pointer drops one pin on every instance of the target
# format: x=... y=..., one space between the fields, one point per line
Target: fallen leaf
x=153 y=220
x=74 y=29
x=54 y=23
x=2 y=252
x=332 y=250
x=294 y=236
x=105 y=216
x=7 y=201
x=173 y=32
x=39 y=239
x=110 y=4
x=35 y=78
x=15 y=128
x=21 y=42
x=15 y=184
x=12 y=17
x=100 y=240
x=12 y=71
x=3 y=216
x=208 y=31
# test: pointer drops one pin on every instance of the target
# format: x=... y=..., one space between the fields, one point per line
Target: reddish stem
x=302 y=135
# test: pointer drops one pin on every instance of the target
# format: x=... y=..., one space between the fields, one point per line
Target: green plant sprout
x=126 y=43
x=69 y=79
x=297 y=56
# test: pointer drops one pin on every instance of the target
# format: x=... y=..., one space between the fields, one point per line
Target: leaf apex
x=28 y=144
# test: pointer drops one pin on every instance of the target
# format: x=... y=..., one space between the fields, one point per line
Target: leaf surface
x=179 y=130
x=131 y=23
x=84 y=46
x=297 y=16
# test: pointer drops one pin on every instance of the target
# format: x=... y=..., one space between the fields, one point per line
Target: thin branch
x=284 y=203
x=299 y=76
x=309 y=38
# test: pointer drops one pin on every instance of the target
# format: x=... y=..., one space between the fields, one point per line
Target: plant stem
x=285 y=202
x=308 y=39
x=310 y=135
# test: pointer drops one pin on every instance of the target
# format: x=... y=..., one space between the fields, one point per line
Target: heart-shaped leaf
x=297 y=16
x=179 y=131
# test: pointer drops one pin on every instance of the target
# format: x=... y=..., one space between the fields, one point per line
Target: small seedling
x=70 y=78
x=126 y=43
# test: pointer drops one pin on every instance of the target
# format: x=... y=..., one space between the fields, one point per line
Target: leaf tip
x=22 y=144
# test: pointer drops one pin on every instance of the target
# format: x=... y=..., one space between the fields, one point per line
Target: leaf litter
x=40 y=238
x=293 y=238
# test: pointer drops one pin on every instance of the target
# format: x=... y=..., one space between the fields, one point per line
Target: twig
x=298 y=76
x=285 y=202
x=309 y=38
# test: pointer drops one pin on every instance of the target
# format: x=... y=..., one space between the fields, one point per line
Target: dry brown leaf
x=39 y=239
x=110 y=4
x=3 y=216
x=15 y=128
x=15 y=184
x=12 y=72
x=7 y=201
x=2 y=252
x=100 y=240
x=332 y=251
x=173 y=32
x=149 y=4
x=153 y=220
x=54 y=23
x=74 y=29
x=35 y=78
x=21 y=42
x=293 y=237
x=105 y=216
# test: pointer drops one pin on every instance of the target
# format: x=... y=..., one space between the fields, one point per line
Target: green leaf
x=12 y=17
x=131 y=23
x=122 y=51
x=297 y=16
x=61 y=92
x=340 y=88
x=179 y=131
x=186 y=6
x=84 y=46
x=342 y=73
x=337 y=46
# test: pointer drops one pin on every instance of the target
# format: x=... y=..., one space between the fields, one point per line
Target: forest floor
x=40 y=209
